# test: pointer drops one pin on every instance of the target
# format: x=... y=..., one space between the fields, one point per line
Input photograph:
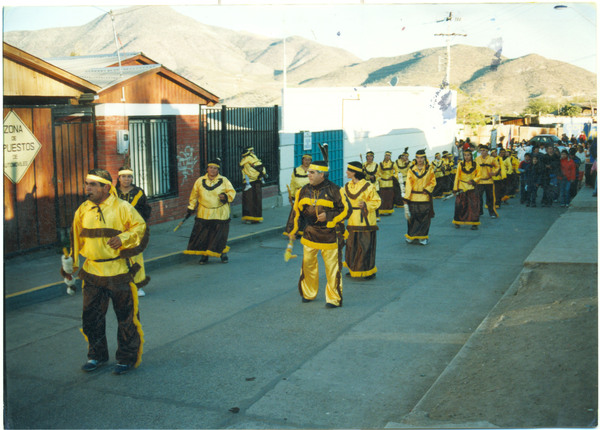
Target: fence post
x=224 y=151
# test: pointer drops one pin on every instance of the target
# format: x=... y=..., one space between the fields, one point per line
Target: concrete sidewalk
x=535 y=354
x=35 y=277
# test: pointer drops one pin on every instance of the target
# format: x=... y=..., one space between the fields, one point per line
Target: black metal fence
x=226 y=132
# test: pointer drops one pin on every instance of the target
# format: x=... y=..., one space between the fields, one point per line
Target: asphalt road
x=232 y=346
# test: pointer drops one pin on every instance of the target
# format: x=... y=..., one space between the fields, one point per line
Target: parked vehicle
x=544 y=139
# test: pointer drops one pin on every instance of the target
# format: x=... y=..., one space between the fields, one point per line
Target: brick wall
x=188 y=167
x=187 y=132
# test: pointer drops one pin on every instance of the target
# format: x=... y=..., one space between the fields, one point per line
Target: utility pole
x=448 y=35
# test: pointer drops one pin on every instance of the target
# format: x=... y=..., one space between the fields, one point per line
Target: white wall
x=378 y=119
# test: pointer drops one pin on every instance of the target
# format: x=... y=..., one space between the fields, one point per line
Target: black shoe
x=366 y=278
x=121 y=369
x=331 y=306
x=92 y=365
x=474 y=227
x=306 y=300
x=203 y=259
x=224 y=258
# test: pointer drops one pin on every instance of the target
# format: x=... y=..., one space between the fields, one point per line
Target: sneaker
x=423 y=241
x=474 y=227
x=203 y=259
x=331 y=306
x=306 y=300
x=92 y=365
x=224 y=258
x=494 y=216
x=456 y=226
x=121 y=369
x=408 y=240
x=71 y=291
x=141 y=293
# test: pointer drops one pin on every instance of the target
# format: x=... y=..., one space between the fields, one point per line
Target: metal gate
x=74 y=156
x=38 y=211
x=225 y=132
x=335 y=143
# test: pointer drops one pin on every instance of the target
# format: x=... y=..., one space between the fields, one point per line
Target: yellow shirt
x=502 y=174
x=299 y=179
x=418 y=181
x=488 y=166
x=362 y=191
x=94 y=225
x=385 y=173
x=466 y=172
x=249 y=164
x=205 y=194
x=402 y=168
x=437 y=167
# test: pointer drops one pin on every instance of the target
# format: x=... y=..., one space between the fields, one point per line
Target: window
x=152 y=154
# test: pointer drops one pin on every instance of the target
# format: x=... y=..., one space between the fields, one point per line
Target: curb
x=57 y=289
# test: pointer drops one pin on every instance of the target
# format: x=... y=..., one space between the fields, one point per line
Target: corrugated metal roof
x=95 y=68
x=110 y=76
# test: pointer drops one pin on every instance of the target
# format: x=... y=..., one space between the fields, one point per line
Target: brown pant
x=129 y=335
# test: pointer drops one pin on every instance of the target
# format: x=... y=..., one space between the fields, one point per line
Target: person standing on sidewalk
x=253 y=173
x=420 y=183
x=362 y=224
x=108 y=231
x=566 y=175
x=324 y=210
x=210 y=199
x=126 y=190
x=466 y=205
x=489 y=168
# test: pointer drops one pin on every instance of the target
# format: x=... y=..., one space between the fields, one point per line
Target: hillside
x=245 y=69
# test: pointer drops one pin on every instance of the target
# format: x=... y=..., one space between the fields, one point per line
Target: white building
x=377 y=119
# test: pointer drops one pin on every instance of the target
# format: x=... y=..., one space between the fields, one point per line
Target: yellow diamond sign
x=20 y=147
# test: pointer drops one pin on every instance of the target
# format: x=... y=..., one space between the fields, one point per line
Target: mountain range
x=246 y=69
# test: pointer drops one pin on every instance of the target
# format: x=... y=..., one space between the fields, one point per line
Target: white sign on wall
x=20 y=147
x=307 y=140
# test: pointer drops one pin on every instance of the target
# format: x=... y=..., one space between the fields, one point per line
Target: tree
x=539 y=106
x=570 y=110
x=470 y=110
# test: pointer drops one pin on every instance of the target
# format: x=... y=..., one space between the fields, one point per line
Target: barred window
x=153 y=155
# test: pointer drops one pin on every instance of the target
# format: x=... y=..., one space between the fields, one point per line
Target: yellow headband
x=214 y=165
x=354 y=168
x=126 y=172
x=319 y=168
x=113 y=190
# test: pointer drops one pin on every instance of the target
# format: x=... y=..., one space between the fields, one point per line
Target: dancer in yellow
x=210 y=199
x=420 y=183
x=386 y=172
x=362 y=227
x=107 y=231
x=324 y=210
x=466 y=206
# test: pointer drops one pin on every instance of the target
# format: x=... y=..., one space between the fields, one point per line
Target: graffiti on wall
x=186 y=161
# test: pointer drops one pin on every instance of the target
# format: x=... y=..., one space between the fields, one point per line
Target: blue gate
x=335 y=141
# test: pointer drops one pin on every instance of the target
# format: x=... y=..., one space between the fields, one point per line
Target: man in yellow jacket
x=324 y=210
x=489 y=168
x=108 y=232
